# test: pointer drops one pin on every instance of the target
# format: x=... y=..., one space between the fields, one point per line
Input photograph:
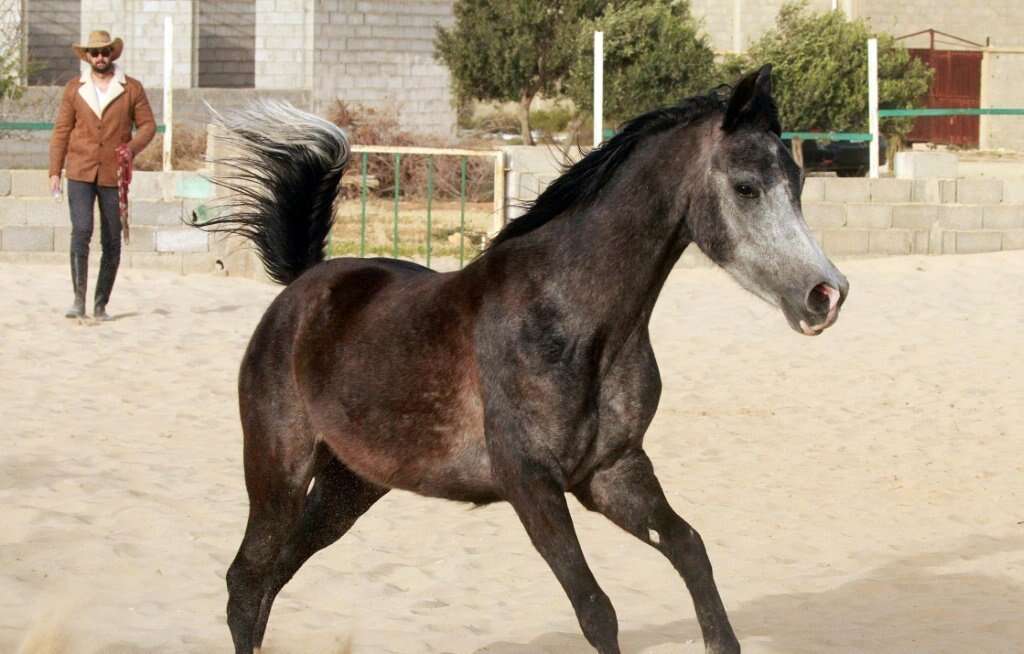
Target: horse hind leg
x=338 y=498
x=277 y=474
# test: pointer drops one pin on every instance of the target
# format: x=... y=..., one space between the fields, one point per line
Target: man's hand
x=124 y=151
x=55 y=184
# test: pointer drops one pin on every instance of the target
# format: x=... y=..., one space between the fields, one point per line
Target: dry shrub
x=368 y=126
x=189 y=152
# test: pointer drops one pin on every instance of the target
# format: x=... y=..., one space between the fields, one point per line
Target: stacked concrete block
x=1013 y=239
x=979 y=191
x=869 y=216
x=849 y=189
x=1003 y=216
x=890 y=190
x=825 y=215
x=33 y=223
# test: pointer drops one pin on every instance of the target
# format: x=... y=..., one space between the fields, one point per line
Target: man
x=94 y=124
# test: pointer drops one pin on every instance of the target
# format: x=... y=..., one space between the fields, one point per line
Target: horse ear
x=751 y=103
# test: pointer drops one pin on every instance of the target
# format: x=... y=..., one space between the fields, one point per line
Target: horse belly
x=447 y=459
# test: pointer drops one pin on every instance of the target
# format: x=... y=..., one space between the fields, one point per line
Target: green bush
x=820 y=71
x=653 y=56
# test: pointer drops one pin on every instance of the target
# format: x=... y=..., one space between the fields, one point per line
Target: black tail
x=283 y=184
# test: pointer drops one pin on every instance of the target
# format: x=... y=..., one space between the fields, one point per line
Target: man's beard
x=106 y=67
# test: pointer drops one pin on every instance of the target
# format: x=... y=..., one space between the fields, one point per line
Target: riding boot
x=104 y=284
x=79 y=282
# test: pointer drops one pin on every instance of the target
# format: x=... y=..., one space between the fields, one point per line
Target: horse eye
x=746 y=190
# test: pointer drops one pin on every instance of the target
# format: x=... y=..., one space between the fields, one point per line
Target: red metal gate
x=956 y=84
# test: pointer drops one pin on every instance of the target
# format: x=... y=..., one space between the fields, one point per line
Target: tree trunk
x=524 y=118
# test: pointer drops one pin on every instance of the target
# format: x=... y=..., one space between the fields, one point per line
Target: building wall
x=53 y=25
x=141 y=24
x=1002 y=20
x=1001 y=74
x=285 y=44
x=382 y=54
x=755 y=18
x=225 y=43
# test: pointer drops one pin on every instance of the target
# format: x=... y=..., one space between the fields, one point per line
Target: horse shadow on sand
x=923 y=603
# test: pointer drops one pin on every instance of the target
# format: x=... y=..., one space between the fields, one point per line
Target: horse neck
x=611 y=258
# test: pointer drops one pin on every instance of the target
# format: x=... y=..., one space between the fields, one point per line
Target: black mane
x=583 y=180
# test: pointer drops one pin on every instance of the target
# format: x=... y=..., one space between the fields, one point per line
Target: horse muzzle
x=819 y=309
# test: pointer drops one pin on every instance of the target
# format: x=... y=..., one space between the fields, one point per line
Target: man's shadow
x=917 y=604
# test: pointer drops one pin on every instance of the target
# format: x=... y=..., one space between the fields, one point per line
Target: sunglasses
x=96 y=52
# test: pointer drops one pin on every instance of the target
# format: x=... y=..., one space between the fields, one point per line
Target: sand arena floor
x=858 y=492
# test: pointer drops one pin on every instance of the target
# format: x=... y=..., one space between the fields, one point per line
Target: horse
x=524 y=377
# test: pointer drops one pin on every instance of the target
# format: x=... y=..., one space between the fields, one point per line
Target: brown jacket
x=87 y=134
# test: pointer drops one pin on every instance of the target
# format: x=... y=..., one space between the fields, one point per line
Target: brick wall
x=53 y=25
x=717 y=17
x=226 y=43
x=141 y=24
x=284 y=44
x=382 y=54
x=1002 y=20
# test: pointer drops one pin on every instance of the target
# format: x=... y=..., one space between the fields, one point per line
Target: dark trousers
x=81 y=200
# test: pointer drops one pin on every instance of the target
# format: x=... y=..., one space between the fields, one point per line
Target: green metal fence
x=363 y=153
x=903 y=113
x=45 y=127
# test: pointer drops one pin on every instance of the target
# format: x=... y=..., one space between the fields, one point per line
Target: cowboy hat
x=99 y=39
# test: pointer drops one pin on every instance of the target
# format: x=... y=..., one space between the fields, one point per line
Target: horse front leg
x=628 y=494
x=533 y=490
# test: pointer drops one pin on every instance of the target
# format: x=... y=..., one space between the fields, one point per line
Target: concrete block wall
x=34 y=226
x=998 y=71
x=225 y=44
x=877 y=217
x=285 y=44
x=381 y=54
x=755 y=18
x=141 y=24
x=853 y=217
x=53 y=25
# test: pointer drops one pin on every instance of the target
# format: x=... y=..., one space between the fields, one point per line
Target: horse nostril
x=822 y=299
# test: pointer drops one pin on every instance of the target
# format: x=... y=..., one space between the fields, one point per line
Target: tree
x=11 y=39
x=654 y=56
x=820 y=72
x=511 y=50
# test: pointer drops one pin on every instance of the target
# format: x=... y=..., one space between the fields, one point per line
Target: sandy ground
x=858 y=492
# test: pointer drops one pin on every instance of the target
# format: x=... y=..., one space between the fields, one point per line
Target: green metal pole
x=430 y=199
x=362 y=194
x=462 y=215
x=398 y=177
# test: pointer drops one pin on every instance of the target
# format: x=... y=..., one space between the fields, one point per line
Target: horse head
x=746 y=215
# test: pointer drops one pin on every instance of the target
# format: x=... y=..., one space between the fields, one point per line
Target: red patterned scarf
x=124 y=178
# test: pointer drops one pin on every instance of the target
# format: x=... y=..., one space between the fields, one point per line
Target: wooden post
x=873 y=105
x=168 y=92
x=498 y=219
x=798 y=151
x=598 y=88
